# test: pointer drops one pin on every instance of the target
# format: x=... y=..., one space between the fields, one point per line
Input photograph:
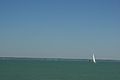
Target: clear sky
x=60 y=28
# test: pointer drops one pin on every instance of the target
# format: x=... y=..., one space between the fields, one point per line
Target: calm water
x=58 y=70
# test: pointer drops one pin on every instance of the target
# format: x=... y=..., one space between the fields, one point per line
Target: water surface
x=58 y=70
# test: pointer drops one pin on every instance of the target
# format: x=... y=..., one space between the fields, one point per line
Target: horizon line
x=55 y=58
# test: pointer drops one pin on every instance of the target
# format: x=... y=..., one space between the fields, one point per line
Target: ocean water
x=58 y=70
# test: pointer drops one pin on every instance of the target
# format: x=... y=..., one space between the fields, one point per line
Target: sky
x=60 y=28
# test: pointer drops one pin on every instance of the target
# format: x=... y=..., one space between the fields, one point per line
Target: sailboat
x=93 y=57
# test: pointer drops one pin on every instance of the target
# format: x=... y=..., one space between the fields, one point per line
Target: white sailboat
x=93 y=57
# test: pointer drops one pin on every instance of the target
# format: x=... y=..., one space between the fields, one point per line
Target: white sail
x=94 y=59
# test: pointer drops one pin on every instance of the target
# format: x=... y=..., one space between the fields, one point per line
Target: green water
x=58 y=70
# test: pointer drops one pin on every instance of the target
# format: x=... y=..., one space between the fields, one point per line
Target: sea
x=58 y=70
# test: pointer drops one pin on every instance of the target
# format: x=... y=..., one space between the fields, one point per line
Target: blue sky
x=60 y=28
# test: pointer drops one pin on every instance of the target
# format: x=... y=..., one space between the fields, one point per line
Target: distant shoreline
x=55 y=59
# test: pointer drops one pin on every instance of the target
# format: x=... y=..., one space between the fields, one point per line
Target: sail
x=94 y=59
